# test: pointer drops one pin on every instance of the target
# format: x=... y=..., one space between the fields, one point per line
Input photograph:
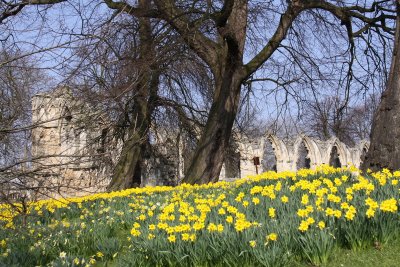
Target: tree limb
x=222 y=16
x=284 y=24
x=135 y=11
x=205 y=48
x=12 y=9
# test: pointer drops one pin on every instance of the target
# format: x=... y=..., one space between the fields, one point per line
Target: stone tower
x=67 y=141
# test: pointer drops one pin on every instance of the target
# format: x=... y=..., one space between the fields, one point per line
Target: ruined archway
x=269 y=160
x=305 y=153
x=274 y=154
x=303 y=157
x=337 y=153
x=334 y=159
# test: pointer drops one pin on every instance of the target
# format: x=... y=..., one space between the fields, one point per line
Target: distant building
x=74 y=149
x=68 y=144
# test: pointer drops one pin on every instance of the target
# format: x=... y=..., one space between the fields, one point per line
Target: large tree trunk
x=228 y=73
x=128 y=171
x=210 y=151
x=384 y=150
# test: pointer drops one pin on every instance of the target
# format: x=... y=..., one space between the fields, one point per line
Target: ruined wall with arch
x=64 y=142
x=293 y=154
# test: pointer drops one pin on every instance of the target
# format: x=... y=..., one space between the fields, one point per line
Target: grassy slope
x=107 y=224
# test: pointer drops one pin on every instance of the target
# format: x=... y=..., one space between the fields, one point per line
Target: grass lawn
x=386 y=256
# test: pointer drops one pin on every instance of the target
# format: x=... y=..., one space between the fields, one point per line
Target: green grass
x=388 y=256
x=384 y=256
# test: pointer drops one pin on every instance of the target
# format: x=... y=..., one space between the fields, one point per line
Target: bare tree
x=216 y=32
x=19 y=80
x=135 y=70
x=360 y=119
x=324 y=119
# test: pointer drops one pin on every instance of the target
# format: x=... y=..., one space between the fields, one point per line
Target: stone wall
x=74 y=149
x=68 y=145
x=293 y=154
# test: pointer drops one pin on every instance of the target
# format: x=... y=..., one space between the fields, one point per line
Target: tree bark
x=384 y=150
x=210 y=151
x=229 y=74
x=128 y=171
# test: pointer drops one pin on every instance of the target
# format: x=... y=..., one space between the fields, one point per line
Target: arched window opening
x=334 y=159
x=268 y=162
x=303 y=159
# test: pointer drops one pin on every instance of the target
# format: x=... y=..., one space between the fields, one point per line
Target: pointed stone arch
x=334 y=159
x=279 y=150
x=268 y=159
x=303 y=157
x=334 y=146
x=312 y=157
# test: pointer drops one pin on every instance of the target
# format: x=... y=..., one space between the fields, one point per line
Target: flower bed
x=271 y=219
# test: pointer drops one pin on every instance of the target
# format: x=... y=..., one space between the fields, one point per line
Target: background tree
x=324 y=119
x=19 y=80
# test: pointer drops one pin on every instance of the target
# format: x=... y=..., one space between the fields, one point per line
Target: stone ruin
x=65 y=145
x=75 y=155
x=275 y=154
x=74 y=149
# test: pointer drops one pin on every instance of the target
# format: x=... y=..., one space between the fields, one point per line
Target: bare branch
x=203 y=46
x=284 y=24
x=12 y=9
